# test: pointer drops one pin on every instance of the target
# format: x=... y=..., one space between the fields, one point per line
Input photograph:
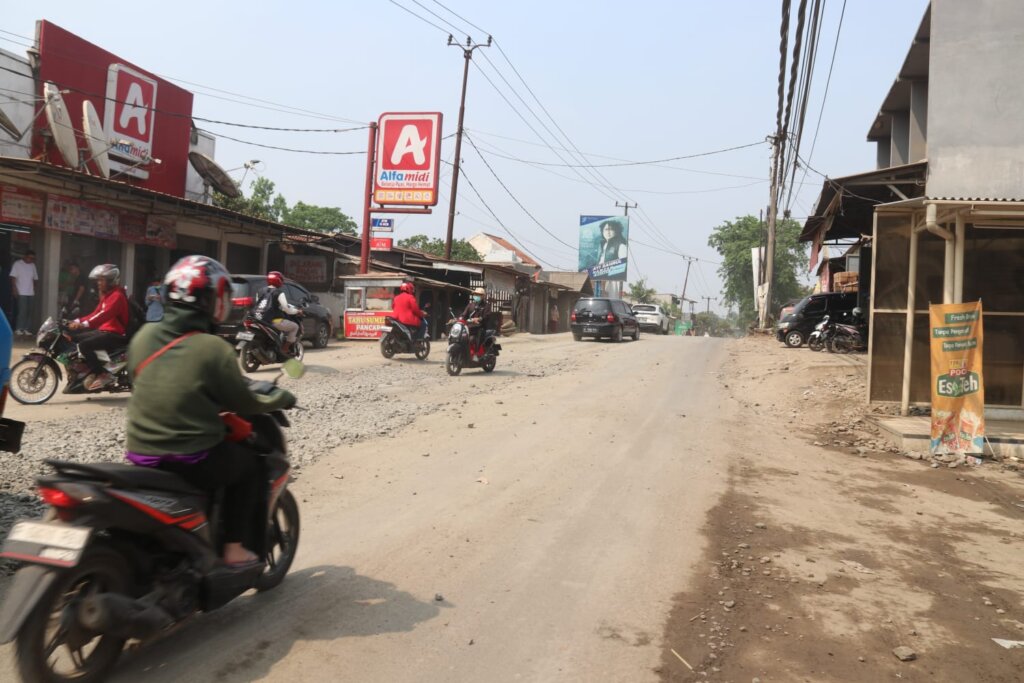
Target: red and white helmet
x=406 y=287
x=201 y=283
x=275 y=279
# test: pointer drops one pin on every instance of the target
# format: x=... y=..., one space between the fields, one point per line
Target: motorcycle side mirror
x=294 y=368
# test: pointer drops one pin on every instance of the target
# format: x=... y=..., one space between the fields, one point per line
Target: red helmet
x=202 y=283
x=407 y=287
x=275 y=279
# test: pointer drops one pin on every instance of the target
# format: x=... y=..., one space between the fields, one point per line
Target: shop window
x=354 y=299
x=379 y=298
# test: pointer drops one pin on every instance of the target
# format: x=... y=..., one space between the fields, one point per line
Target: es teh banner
x=958 y=385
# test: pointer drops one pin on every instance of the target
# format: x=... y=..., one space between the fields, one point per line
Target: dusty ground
x=829 y=550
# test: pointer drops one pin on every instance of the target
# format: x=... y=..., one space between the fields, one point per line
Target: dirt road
x=532 y=528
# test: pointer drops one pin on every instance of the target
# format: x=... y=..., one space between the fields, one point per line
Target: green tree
x=713 y=324
x=461 y=249
x=328 y=219
x=734 y=239
x=641 y=293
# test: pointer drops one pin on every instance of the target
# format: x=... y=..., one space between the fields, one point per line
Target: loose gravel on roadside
x=338 y=407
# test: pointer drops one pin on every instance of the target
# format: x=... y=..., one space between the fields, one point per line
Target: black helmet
x=202 y=283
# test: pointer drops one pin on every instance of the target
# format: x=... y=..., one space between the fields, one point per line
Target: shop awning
x=846 y=204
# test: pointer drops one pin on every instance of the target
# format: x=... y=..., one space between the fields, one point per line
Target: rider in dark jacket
x=476 y=314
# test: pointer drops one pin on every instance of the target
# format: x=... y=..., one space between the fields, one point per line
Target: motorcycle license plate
x=245 y=336
x=590 y=329
x=45 y=542
x=385 y=328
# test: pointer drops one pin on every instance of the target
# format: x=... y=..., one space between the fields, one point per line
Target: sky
x=639 y=81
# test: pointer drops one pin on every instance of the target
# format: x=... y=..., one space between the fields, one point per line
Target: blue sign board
x=382 y=222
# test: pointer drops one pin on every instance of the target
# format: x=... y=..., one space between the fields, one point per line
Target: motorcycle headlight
x=457 y=330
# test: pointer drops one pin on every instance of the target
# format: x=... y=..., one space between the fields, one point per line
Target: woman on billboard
x=613 y=247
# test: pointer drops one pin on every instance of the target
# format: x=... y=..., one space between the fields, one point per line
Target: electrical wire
x=282 y=149
x=438 y=16
x=461 y=18
x=635 y=163
x=420 y=17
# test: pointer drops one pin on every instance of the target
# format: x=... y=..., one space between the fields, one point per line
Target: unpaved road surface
x=530 y=525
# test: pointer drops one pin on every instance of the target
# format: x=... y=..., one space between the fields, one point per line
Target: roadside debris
x=905 y=654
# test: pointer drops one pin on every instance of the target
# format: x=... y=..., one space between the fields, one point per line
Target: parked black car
x=595 y=317
x=316 y=324
x=794 y=329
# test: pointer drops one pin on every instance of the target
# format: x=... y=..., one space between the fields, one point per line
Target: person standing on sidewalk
x=23 y=282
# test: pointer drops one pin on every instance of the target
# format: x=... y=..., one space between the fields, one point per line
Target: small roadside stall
x=368 y=301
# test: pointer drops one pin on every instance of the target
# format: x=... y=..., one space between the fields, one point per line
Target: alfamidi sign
x=408 y=159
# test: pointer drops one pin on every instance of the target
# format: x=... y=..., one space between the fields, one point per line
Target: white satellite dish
x=214 y=175
x=60 y=124
x=8 y=125
x=95 y=138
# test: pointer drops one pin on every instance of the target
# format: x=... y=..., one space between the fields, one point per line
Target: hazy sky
x=641 y=80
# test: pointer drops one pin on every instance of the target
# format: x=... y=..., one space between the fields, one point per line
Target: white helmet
x=106 y=270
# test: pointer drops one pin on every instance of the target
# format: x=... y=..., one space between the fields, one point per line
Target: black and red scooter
x=466 y=352
x=127 y=552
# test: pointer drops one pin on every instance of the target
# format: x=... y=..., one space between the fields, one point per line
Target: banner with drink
x=958 y=386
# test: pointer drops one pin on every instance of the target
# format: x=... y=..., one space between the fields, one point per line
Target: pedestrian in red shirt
x=106 y=328
x=408 y=312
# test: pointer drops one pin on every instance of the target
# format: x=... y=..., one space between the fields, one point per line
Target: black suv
x=796 y=327
x=612 y=318
x=245 y=290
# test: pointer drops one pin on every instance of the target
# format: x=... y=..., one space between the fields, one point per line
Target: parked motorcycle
x=127 y=552
x=819 y=338
x=849 y=337
x=399 y=338
x=464 y=353
x=35 y=378
x=261 y=343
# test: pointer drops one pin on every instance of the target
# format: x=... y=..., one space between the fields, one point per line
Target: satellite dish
x=60 y=124
x=95 y=139
x=214 y=175
x=8 y=125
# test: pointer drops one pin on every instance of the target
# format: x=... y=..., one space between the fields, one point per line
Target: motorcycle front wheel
x=815 y=344
x=246 y=358
x=453 y=361
x=423 y=349
x=33 y=381
x=490 y=360
x=282 y=542
x=52 y=645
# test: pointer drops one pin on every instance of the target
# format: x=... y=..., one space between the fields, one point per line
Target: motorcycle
x=399 y=338
x=849 y=337
x=819 y=338
x=35 y=378
x=261 y=343
x=464 y=353
x=128 y=552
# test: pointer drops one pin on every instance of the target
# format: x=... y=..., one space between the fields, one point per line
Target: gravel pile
x=338 y=408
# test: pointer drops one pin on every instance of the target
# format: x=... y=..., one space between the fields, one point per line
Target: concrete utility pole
x=686 y=280
x=627 y=206
x=769 y=256
x=467 y=54
x=709 y=299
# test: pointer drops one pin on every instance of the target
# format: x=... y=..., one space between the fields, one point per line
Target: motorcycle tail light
x=247 y=323
x=57 y=498
x=243 y=302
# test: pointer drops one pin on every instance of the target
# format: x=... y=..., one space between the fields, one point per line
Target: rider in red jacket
x=106 y=328
x=407 y=311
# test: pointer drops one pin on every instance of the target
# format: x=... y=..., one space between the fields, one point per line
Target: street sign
x=381 y=243
x=408 y=158
x=382 y=224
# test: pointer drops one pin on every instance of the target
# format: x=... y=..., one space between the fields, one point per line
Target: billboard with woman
x=603 y=246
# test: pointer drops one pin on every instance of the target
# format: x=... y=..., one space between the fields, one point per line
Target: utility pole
x=769 y=256
x=686 y=280
x=467 y=54
x=627 y=206
x=709 y=299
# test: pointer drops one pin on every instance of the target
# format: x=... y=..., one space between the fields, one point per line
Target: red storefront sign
x=21 y=206
x=408 y=158
x=381 y=243
x=143 y=116
x=365 y=324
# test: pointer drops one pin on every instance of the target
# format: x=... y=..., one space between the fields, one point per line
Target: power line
x=635 y=163
x=420 y=17
x=463 y=19
x=432 y=12
x=282 y=149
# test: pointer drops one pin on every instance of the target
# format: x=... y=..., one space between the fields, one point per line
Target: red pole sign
x=408 y=158
x=364 y=258
x=380 y=243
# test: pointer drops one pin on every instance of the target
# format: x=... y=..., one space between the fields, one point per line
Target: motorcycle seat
x=125 y=476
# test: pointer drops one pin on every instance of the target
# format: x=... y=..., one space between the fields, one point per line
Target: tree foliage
x=734 y=240
x=640 y=293
x=461 y=249
x=713 y=324
x=265 y=202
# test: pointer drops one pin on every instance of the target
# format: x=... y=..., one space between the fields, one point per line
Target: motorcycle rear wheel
x=246 y=359
x=423 y=349
x=490 y=360
x=38 y=652
x=33 y=382
x=282 y=542
x=842 y=345
x=387 y=346
x=453 y=362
